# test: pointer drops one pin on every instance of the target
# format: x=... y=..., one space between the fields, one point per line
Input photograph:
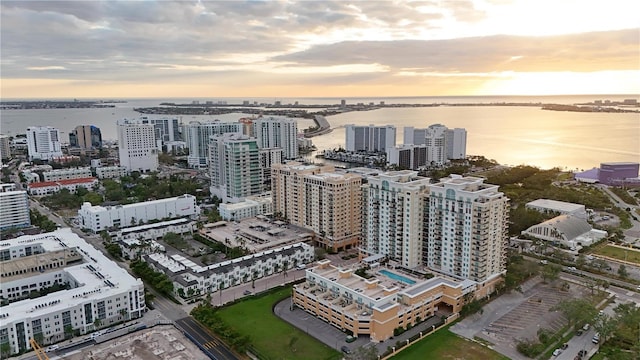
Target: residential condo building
x=443 y=144
x=66 y=174
x=407 y=156
x=197 y=136
x=277 y=133
x=14 y=207
x=321 y=200
x=86 y=137
x=137 y=147
x=43 y=143
x=369 y=138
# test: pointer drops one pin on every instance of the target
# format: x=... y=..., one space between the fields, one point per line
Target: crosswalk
x=210 y=344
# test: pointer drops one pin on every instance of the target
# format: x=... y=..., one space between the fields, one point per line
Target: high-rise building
x=277 y=133
x=443 y=144
x=5 y=147
x=166 y=129
x=137 y=146
x=234 y=167
x=369 y=138
x=407 y=156
x=319 y=199
x=456 y=143
x=268 y=157
x=196 y=136
x=14 y=207
x=86 y=137
x=393 y=216
x=467 y=226
x=43 y=142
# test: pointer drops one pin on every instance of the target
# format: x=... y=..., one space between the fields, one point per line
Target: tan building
x=380 y=304
x=319 y=199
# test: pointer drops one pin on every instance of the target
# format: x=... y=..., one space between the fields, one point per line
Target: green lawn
x=272 y=337
x=618 y=253
x=444 y=344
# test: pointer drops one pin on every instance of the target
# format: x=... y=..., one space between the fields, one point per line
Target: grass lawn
x=272 y=337
x=618 y=253
x=446 y=345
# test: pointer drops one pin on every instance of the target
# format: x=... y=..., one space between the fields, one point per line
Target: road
x=207 y=342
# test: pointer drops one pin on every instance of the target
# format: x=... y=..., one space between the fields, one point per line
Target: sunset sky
x=121 y=49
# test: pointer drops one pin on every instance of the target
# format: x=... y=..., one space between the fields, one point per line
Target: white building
x=98 y=292
x=14 y=207
x=111 y=172
x=252 y=206
x=570 y=231
x=196 y=136
x=66 y=174
x=195 y=279
x=369 y=138
x=43 y=142
x=234 y=167
x=560 y=207
x=137 y=146
x=407 y=156
x=393 y=216
x=456 y=143
x=277 y=133
x=443 y=144
x=467 y=229
x=167 y=129
x=143 y=238
x=52 y=187
x=98 y=218
x=5 y=148
x=436 y=142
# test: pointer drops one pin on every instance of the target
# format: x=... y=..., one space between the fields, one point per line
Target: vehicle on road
x=582 y=353
x=350 y=339
x=564 y=346
x=596 y=338
x=52 y=348
x=586 y=327
x=247 y=292
x=557 y=352
x=579 y=332
x=345 y=349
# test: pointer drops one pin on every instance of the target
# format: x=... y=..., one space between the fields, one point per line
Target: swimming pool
x=395 y=276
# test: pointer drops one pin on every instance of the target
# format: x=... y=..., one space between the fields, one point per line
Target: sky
x=124 y=49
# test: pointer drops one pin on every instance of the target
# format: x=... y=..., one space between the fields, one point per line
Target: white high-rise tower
x=43 y=142
x=137 y=147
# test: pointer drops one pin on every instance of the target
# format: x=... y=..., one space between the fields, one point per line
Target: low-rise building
x=51 y=187
x=94 y=292
x=190 y=278
x=252 y=206
x=111 y=172
x=571 y=231
x=560 y=207
x=66 y=174
x=143 y=238
x=98 y=218
x=377 y=305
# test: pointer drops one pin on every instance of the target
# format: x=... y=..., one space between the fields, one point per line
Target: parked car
x=596 y=338
x=345 y=349
x=564 y=346
x=586 y=327
x=582 y=353
x=557 y=352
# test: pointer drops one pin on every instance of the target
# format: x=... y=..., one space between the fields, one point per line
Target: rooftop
x=62 y=182
x=556 y=205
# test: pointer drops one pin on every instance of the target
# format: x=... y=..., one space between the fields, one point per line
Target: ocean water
x=511 y=135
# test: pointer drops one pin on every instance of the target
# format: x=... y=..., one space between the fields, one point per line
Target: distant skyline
x=169 y=49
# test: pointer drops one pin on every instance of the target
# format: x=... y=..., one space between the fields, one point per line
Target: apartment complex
x=408 y=156
x=111 y=172
x=377 y=305
x=192 y=279
x=443 y=144
x=43 y=143
x=86 y=137
x=234 y=167
x=252 y=206
x=98 y=218
x=98 y=293
x=14 y=207
x=51 y=187
x=197 y=135
x=394 y=216
x=369 y=138
x=467 y=230
x=166 y=129
x=137 y=147
x=319 y=199
x=66 y=174
x=277 y=133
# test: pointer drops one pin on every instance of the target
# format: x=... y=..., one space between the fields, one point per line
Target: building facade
x=443 y=144
x=137 y=147
x=166 y=129
x=66 y=174
x=252 y=206
x=97 y=292
x=51 y=187
x=321 y=200
x=277 y=133
x=369 y=138
x=98 y=218
x=614 y=173
x=197 y=136
x=111 y=172
x=43 y=143
x=412 y=157
x=86 y=137
x=467 y=230
x=234 y=167
x=5 y=147
x=393 y=216
x=14 y=207
x=456 y=143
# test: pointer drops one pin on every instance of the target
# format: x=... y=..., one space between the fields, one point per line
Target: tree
x=550 y=272
x=97 y=323
x=622 y=271
x=577 y=311
x=605 y=326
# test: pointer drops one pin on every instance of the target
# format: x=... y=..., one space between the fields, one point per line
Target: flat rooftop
x=561 y=206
